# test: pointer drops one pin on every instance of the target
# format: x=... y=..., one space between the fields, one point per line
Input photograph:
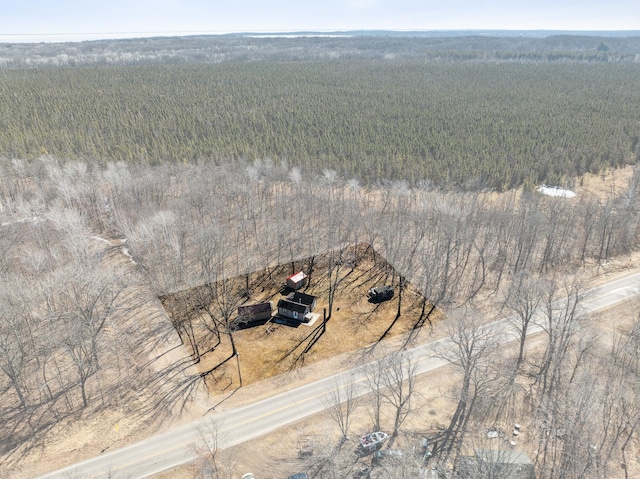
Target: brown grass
x=271 y=349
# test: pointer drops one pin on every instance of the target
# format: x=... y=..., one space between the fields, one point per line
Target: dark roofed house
x=303 y=298
x=291 y=310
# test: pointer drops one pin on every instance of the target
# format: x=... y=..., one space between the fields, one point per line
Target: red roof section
x=299 y=276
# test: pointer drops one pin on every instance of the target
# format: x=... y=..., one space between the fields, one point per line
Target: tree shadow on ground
x=25 y=428
x=306 y=344
x=417 y=326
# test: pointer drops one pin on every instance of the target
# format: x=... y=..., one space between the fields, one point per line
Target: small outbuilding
x=255 y=312
x=297 y=281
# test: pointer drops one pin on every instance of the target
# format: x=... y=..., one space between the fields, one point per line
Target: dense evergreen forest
x=464 y=112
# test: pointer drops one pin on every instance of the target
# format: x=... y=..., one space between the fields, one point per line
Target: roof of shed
x=254 y=308
x=296 y=278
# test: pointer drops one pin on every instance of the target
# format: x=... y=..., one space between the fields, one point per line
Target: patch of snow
x=555 y=191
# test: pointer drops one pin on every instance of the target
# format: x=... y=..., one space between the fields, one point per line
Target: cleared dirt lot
x=270 y=349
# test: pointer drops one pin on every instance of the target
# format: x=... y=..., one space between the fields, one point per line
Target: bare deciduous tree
x=524 y=299
x=470 y=352
x=341 y=403
x=209 y=449
x=14 y=349
x=398 y=383
x=374 y=372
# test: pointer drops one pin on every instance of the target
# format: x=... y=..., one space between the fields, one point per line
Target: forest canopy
x=470 y=124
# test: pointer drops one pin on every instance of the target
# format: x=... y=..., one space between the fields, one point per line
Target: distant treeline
x=530 y=47
x=469 y=124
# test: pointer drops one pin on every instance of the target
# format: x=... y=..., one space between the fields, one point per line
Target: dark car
x=300 y=475
x=380 y=293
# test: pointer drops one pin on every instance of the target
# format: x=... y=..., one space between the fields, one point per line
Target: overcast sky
x=49 y=20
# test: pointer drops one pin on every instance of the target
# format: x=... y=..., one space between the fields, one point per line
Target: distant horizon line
x=131 y=35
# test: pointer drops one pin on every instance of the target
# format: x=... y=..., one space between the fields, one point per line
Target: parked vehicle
x=248 y=475
x=300 y=475
x=380 y=293
x=372 y=441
